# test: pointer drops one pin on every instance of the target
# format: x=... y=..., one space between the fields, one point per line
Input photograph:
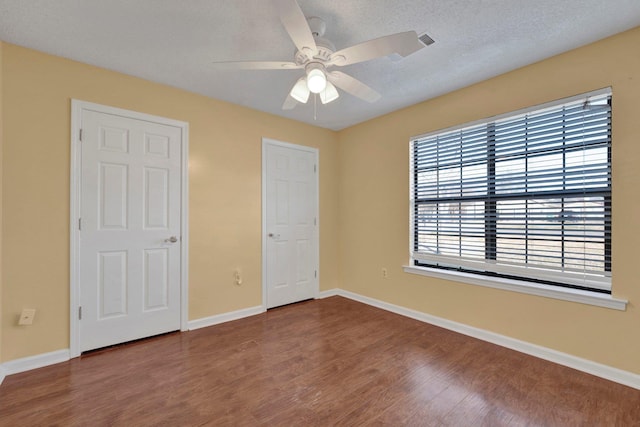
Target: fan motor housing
x=325 y=50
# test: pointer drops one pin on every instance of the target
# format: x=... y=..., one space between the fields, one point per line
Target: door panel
x=290 y=221
x=112 y=188
x=112 y=277
x=130 y=208
x=156 y=278
x=156 y=198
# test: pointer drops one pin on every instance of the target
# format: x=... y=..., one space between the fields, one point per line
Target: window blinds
x=526 y=196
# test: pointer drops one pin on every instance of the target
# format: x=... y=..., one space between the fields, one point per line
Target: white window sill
x=566 y=294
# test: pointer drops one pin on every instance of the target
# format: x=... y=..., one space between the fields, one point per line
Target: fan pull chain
x=315 y=107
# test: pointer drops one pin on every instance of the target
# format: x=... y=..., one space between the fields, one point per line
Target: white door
x=129 y=239
x=290 y=223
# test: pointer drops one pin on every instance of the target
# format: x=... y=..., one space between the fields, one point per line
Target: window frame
x=599 y=284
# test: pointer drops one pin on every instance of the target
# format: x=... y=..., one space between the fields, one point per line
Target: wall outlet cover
x=27 y=315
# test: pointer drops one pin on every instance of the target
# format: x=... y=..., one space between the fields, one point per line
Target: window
x=525 y=196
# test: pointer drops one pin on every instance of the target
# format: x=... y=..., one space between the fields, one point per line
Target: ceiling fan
x=316 y=55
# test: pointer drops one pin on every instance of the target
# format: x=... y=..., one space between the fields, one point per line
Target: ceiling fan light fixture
x=316 y=79
x=330 y=93
x=300 y=92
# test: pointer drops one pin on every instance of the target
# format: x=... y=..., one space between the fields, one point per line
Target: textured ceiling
x=176 y=42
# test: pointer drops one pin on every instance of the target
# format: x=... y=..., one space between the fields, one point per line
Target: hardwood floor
x=318 y=363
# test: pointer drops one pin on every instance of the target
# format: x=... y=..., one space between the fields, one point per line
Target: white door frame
x=77 y=107
x=316 y=236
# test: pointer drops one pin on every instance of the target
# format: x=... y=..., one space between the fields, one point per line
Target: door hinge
x=315 y=221
x=315 y=274
x=80 y=224
x=80 y=135
x=315 y=168
x=80 y=313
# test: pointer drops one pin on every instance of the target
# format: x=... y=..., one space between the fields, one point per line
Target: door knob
x=274 y=235
x=171 y=239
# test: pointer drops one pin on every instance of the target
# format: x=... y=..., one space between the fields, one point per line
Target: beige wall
x=374 y=207
x=224 y=193
x=1 y=174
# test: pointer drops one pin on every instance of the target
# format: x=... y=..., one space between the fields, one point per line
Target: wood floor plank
x=316 y=363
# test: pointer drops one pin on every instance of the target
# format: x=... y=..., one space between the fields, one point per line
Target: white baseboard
x=613 y=374
x=33 y=362
x=224 y=317
x=328 y=293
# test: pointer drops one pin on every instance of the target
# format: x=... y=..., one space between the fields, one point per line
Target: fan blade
x=296 y=25
x=256 y=65
x=403 y=44
x=289 y=103
x=353 y=86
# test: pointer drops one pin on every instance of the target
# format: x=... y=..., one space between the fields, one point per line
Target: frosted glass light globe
x=316 y=81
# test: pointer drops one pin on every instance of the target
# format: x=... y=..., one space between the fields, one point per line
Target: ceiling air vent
x=425 y=39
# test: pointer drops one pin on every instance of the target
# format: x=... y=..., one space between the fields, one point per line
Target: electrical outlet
x=238 y=277
x=27 y=315
x=385 y=273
